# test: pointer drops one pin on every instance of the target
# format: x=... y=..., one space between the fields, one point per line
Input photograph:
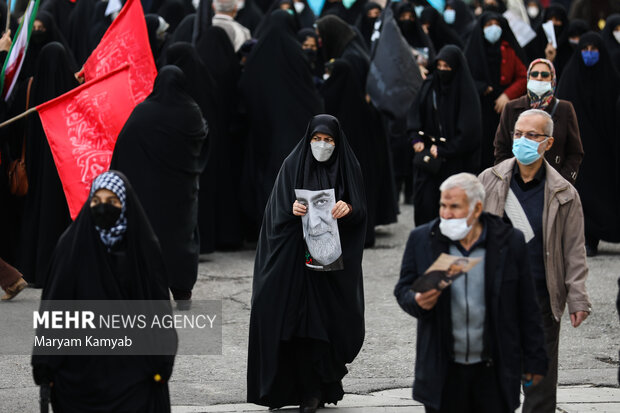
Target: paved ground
x=379 y=379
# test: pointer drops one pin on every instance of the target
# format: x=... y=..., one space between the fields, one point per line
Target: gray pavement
x=380 y=379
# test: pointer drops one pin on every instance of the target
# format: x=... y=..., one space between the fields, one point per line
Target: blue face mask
x=449 y=15
x=492 y=33
x=419 y=10
x=590 y=57
x=526 y=150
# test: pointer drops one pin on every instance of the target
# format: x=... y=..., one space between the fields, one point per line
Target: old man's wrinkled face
x=320 y=229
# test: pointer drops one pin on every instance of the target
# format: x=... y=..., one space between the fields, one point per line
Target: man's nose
x=313 y=219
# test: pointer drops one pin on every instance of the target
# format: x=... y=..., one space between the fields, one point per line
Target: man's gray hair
x=548 y=128
x=467 y=182
x=225 y=6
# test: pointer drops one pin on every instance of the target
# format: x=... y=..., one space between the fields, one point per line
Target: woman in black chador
x=162 y=151
x=46 y=214
x=278 y=93
x=592 y=85
x=306 y=325
x=445 y=124
x=109 y=252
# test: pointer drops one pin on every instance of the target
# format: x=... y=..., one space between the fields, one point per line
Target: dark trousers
x=542 y=398
x=471 y=388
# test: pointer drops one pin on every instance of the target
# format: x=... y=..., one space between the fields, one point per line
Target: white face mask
x=538 y=87
x=321 y=150
x=532 y=11
x=299 y=7
x=456 y=228
x=617 y=36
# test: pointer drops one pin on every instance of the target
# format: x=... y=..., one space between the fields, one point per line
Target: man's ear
x=549 y=143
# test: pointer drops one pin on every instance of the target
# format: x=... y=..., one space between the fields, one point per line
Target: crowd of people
x=212 y=158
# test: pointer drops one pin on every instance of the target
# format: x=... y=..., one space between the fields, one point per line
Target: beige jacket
x=563 y=234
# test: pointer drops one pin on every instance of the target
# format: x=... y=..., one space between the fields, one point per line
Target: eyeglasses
x=533 y=136
x=544 y=75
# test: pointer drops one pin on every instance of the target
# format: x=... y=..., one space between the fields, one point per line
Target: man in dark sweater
x=536 y=199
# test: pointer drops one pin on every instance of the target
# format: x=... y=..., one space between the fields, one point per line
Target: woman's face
x=319 y=136
x=443 y=65
x=309 y=44
x=373 y=13
x=406 y=16
x=491 y=23
x=105 y=196
x=590 y=48
x=541 y=72
x=38 y=25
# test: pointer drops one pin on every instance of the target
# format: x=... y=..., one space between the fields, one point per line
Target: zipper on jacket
x=466 y=319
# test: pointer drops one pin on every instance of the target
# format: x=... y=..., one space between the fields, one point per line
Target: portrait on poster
x=320 y=230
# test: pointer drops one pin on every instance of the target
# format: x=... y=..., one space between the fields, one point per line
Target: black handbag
x=427 y=162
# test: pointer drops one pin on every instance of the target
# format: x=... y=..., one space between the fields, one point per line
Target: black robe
x=220 y=207
x=464 y=19
x=613 y=47
x=345 y=101
x=250 y=15
x=82 y=268
x=595 y=95
x=46 y=214
x=79 y=41
x=161 y=150
x=290 y=301
x=279 y=96
x=458 y=113
x=365 y=24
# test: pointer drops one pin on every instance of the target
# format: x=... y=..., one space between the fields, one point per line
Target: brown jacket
x=566 y=153
x=563 y=234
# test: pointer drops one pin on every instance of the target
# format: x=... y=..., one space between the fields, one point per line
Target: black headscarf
x=576 y=28
x=338 y=39
x=100 y=24
x=535 y=21
x=464 y=19
x=185 y=30
x=279 y=95
x=483 y=58
x=289 y=300
x=440 y=33
x=335 y=35
x=275 y=6
x=161 y=150
x=594 y=92
x=612 y=45
x=82 y=268
x=79 y=41
x=317 y=66
x=412 y=31
x=38 y=40
x=173 y=11
x=365 y=24
x=46 y=214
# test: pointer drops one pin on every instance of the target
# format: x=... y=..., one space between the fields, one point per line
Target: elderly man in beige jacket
x=536 y=199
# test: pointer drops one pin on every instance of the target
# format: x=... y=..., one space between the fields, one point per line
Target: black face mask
x=105 y=215
x=445 y=76
x=311 y=55
x=406 y=26
x=38 y=37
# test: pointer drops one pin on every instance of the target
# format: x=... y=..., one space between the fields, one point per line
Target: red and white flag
x=17 y=53
x=125 y=42
x=82 y=126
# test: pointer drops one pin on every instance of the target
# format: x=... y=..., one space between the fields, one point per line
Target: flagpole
x=18 y=117
x=8 y=16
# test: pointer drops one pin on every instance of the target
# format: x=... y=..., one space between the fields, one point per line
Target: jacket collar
x=555 y=184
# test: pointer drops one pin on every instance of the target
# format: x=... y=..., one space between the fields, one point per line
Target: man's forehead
x=454 y=195
x=532 y=122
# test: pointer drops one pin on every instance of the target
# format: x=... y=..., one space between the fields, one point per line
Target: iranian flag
x=17 y=53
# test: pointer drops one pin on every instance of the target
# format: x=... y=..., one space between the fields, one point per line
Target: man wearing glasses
x=567 y=152
x=536 y=199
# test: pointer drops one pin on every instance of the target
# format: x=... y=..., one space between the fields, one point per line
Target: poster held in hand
x=442 y=273
x=320 y=229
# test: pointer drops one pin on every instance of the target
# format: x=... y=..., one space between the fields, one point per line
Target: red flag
x=125 y=41
x=82 y=126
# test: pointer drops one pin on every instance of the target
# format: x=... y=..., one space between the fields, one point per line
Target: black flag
x=394 y=77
